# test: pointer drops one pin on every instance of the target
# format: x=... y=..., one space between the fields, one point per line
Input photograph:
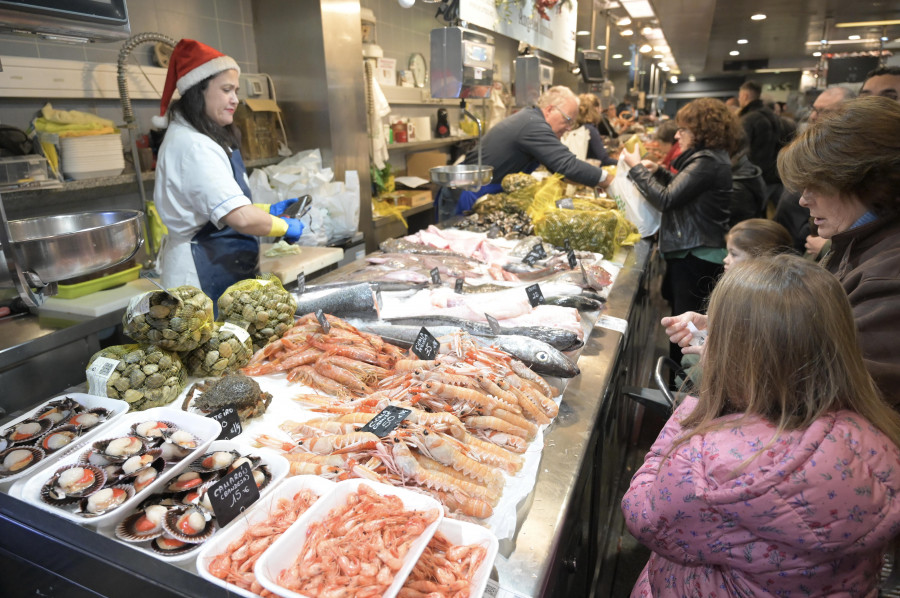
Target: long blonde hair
x=783 y=346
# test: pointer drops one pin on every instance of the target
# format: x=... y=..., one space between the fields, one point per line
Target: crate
x=257 y=120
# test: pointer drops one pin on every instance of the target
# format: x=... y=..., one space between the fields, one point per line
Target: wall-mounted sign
x=519 y=20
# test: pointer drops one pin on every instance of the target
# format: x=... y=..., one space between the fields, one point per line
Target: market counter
x=563 y=531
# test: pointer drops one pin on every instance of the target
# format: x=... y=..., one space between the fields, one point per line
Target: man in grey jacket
x=522 y=142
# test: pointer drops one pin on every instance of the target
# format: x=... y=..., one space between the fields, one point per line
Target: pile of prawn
x=473 y=411
x=340 y=362
x=358 y=548
x=235 y=564
x=444 y=569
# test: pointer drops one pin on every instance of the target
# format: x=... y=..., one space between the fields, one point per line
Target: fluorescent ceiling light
x=733 y=53
x=742 y=41
x=626 y=33
x=869 y=23
x=789 y=70
x=817 y=53
x=645 y=48
x=616 y=56
x=626 y=63
x=583 y=33
x=623 y=21
x=646 y=30
x=601 y=47
x=854 y=37
x=658 y=56
x=758 y=17
x=638 y=9
x=841 y=41
x=673 y=79
x=692 y=78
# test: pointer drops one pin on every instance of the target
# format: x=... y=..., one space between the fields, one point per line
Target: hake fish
x=558 y=338
x=360 y=300
x=538 y=355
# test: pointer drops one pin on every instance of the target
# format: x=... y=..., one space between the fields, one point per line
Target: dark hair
x=752 y=86
x=882 y=70
x=853 y=151
x=192 y=107
x=760 y=236
x=711 y=123
x=666 y=130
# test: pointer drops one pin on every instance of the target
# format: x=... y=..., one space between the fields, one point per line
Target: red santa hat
x=191 y=62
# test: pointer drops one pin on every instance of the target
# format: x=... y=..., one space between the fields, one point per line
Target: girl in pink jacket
x=782 y=478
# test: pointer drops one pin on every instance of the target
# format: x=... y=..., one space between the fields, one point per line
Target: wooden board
x=309 y=260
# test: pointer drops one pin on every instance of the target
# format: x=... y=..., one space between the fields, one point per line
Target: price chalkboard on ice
x=425 y=345
x=233 y=494
x=301 y=283
x=323 y=321
x=570 y=255
x=230 y=421
x=458 y=287
x=535 y=296
x=435 y=276
x=386 y=420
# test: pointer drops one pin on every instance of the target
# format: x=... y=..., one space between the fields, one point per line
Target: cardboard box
x=260 y=134
x=409 y=198
x=420 y=163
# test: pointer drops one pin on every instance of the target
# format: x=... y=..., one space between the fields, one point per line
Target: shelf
x=413 y=146
x=414 y=95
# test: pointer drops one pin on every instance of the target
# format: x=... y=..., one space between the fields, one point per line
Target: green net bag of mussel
x=228 y=349
x=180 y=319
x=600 y=231
x=259 y=305
x=144 y=376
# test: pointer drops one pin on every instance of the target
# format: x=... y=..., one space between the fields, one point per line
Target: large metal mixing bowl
x=60 y=247
x=462 y=176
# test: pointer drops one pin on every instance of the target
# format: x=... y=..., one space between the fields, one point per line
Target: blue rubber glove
x=295 y=229
x=278 y=208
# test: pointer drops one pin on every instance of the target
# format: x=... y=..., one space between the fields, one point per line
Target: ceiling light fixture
x=616 y=56
x=646 y=30
x=658 y=56
x=869 y=23
x=758 y=17
x=623 y=22
x=626 y=33
x=626 y=63
x=582 y=33
x=733 y=53
x=826 y=42
x=673 y=79
x=817 y=54
x=601 y=47
x=742 y=41
x=854 y=37
x=638 y=9
x=645 y=48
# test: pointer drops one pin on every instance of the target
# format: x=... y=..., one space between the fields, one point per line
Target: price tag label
x=493 y=590
x=458 y=287
x=230 y=421
x=435 y=276
x=535 y=296
x=493 y=323
x=530 y=258
x=566 y=244
x=238 y=331
x=233 y=494
x=536 y=253
x=539 y=248
x=566 y=203
x=611 y=323
x=425 y=345
x=386 y=420
x=98 y=375
x=570 y=256
x=301 y=283
x=323 y=321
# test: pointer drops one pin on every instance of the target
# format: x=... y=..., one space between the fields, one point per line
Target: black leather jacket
x=694 y=203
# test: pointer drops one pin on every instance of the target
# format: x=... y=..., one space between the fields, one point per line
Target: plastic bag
x=259 y=305
x=577 y=141
x=180 y=319
x=600 y=231
x=341 y=201
x=144 y=376
x=229 y=349
x=637 y=209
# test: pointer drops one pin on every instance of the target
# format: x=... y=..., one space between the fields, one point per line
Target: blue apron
x=223 y=257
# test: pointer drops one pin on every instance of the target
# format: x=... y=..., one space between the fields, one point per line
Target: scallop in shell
x=90 y=418
x=144 y=524
x=188 y=524
x=172 y=453
x=119 y=449
x=28 y=430
x=152 y=430
x=199 y=497
x=166 y=545
x=19 y=458
x=71 y=483
x=92 y=457
x=137 y=463
x=181 y=438
x=58 y=437
x=187 y=481
x=58 y=411
x=144 y=478
x=216 y=461
x=105 y=500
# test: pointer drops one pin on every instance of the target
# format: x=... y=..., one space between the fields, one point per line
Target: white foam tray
x=258 y=513
x=205 y=429
x=116 y=408
x=465 y=533
x=284 y=551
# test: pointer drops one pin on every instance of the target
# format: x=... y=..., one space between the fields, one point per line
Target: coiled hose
x=121 y=76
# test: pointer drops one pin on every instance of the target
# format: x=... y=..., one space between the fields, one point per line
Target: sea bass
x=558 y=338
x=360 y=300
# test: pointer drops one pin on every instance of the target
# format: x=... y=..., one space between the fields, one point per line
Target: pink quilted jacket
x=811 y=516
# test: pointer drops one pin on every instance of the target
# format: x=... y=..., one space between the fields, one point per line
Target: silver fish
x=558 y=338
x=360 y=300
x=537 y=355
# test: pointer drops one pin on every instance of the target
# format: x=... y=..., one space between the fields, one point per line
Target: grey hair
x=848 y=93
x=555 y=96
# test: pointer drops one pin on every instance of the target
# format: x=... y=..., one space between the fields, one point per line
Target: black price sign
x=530 y=258
x=570 y=255
x=323 y=321
x=566 y=203
x=435 y=276
x=535 y=296
x=539 y=248
x=233 y=494
x=566 y=244
x=425 y=346
x=301 y=283
x=386 y=420
x=230 y=421
x=536 y=253
x=458 y=286
x=493 y=323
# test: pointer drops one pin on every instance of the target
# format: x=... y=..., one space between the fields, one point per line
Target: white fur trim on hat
x=207 y=69
x=160 y=122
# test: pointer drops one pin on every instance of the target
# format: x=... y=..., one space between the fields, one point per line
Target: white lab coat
x=194 y=185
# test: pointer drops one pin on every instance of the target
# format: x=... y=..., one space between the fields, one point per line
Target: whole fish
x=360 y=300
x=380 y=285
x=538 y=355
x=404 y=246
x=579 y=302
x=564 y=340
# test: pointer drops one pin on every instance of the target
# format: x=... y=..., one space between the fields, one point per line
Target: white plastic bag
x=577 y=141
x=628 y=197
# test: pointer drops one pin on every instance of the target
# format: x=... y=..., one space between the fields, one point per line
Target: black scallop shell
x=170 y=524
x=101 y=445
x=184 y=443
x=169 y=425
x=52 y=494
x=44 y=425
x=125 y=530
x=198 y=465
x=62 y=409
x=85 y=502
x=37 y=452
x=157 y=548
x=67 y=429
x=156 y=462
x=100 y=411
x=174 y=487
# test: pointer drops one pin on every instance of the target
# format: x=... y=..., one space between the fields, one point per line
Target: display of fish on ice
x=361 y=300
x=538 y=355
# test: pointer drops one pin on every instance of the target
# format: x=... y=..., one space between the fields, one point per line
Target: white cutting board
x=309 y=260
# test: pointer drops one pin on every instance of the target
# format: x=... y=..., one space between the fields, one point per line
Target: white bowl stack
x=92 y=156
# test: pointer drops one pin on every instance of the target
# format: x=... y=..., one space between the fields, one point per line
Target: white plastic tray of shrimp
x=68 y=426
x=231 y=566
x=464 y=552
x=149 y=529
x=95 y=495
x=374 y=534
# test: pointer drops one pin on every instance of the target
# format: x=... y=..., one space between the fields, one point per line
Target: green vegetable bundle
x=180 y=319
x=259 y=305
x=145 y=376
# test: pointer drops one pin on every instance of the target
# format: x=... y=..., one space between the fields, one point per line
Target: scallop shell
x=188 y=480
x=58 y=412
x=92 y=457
x=36 y=429
x=216 y=461
x=86 y=422
x=155 y=432
x=262 y=476
x=199 y=497
x=160 y=545
x=89 y=506
x=130 y=445
x=36 y=455
x=145 y=478
x=58 y=438
x=181 y=438
x=127 y=528
x=178 y=520
x=137 y=463
x=172 y=453
x=52 y=494
x=253 y=460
